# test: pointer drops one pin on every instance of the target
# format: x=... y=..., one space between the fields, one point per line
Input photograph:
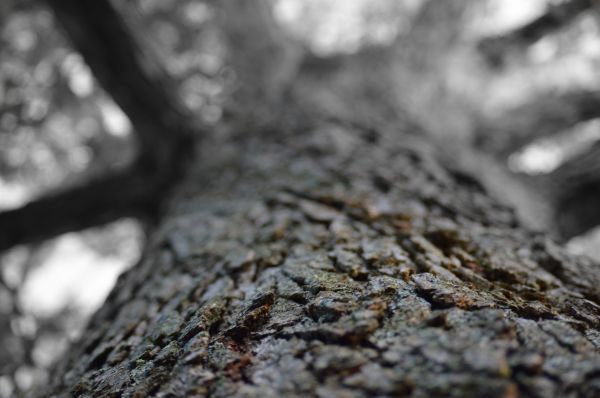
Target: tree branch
x=556 y=17
x=576 y=184
x=435 y=29
x=100 y=201
x=572 y=190
x=545 y=116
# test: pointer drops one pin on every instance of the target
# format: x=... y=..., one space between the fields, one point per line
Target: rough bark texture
x=331 y=260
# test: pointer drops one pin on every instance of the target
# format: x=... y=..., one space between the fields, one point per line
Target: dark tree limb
x=573 y=190
x=139 y=85
x=127 y=194
x=577 y=187
x=578 y=211
x=556 y=17
x=545 y=116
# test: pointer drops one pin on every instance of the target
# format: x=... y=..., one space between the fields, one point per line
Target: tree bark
x=322 y=262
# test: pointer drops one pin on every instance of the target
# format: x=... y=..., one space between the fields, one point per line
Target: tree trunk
x=329 y=256
x=326 y=260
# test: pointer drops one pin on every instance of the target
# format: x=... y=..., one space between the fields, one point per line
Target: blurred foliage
x=333 y=26
x=56 y=124
x=185 y=34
